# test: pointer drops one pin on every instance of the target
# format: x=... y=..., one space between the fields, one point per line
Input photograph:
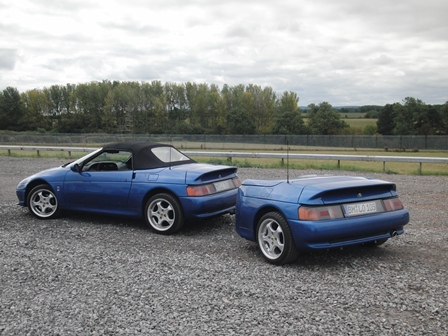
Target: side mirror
x=75 y=168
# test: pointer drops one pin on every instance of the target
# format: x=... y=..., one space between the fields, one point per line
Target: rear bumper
x=348 y=231
x=210 y=205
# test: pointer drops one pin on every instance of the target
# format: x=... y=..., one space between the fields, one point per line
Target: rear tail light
x=212 y=188
x=320 y=213
x=335 y=211
x=236 y=182
x=202 y=190
x=392 y=204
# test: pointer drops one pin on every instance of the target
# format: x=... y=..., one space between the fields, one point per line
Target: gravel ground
x=95 y=275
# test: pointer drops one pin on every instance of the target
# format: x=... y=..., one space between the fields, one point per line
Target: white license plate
x=356 y=209
x=223 y=185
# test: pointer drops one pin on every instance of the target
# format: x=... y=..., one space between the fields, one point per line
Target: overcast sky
x=345 y=52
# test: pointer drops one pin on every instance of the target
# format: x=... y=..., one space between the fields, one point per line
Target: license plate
x=223 y=185
x=362 y=208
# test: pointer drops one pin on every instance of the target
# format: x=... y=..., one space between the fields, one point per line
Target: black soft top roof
x=142 y=155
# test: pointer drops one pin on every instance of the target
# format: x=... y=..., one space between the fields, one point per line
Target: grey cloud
x=57 y=6
x=145 y=72
x=239 y=31
x=382 y=60
x=8 y=58
x=132 y=28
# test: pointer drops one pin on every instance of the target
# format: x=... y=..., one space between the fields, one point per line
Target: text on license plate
x=223 y=185
x=356 y=209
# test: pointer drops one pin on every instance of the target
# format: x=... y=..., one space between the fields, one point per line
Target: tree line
x=191 y=108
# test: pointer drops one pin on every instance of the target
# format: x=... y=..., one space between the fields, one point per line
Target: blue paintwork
x=256 y=197
x=125 y=192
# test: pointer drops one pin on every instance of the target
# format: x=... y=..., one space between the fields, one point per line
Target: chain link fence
x=225 y=142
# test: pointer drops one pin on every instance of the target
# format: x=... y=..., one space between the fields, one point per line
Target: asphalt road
x=97 y=275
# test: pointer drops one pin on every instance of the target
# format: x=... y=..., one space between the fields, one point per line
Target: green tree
x=88 y=105
x=404 y=124
x=265 y=110
x=372 y=114
x=178 y=110
x=122 y=110
x=34 y=103
x=290 y=123
x=444 y=117
x=154 y=106
x=3 y=114
x=288 y=102
x=325 y=120
x=197 y=96
x=411 y=117
x=233 y=96
x=240 y=122
x=369 y=130
x=253 y=103
x=109 y=121
x=11 y=110
x=386 y=120
x=428 y=120
x=216 y=111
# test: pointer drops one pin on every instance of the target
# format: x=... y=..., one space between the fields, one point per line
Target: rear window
x=169 y=154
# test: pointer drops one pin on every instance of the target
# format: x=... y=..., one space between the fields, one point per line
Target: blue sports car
x=317 y=212
x=139 y=179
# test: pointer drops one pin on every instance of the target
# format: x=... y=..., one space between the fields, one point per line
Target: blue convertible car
x=138 y=179
x=317 y=212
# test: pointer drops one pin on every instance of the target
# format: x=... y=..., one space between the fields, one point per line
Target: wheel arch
x=159 y=190
x=33 y=184
x=263 y=211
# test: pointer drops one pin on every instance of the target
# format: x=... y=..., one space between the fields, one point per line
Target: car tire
x=163 y=214
x=42 y=202
x=274 y=238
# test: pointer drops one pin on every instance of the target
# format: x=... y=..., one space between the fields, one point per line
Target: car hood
x=315 y=189
x=48 y=174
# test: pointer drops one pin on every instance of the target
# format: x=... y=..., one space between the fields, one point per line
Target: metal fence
x=260 y=142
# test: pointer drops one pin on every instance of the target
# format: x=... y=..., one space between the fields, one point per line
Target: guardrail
x=282 y=156
x=339 y=158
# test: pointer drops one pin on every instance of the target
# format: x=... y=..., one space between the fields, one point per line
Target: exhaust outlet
x=393 y=233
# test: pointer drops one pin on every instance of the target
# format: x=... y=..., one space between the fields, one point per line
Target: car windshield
x=169 y=154
x=84 y=158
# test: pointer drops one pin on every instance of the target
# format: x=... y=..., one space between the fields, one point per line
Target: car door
x=102 y=182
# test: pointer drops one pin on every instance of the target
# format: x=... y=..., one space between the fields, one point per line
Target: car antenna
x=170 y=156
x=287 y=160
